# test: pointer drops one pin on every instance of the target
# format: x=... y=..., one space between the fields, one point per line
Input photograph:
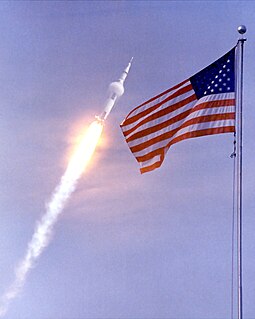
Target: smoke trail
x=43 y=231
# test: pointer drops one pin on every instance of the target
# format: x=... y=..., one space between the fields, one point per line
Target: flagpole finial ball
x=241 y=29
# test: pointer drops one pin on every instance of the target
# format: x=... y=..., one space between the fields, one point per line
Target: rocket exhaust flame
x=43 y=231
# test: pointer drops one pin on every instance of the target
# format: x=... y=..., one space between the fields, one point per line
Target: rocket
x=116 y=90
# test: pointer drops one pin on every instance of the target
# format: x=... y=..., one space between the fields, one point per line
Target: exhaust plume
x=54 y=208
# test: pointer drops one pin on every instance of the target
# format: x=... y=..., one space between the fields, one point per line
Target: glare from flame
x=84 y=151
x=43 y=231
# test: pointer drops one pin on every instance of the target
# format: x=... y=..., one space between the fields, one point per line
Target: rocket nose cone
x=128 y=66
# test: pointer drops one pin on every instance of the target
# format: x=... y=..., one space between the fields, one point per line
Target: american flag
x=202 y=105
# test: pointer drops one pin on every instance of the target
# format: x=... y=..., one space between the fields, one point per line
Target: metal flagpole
x=241 y=30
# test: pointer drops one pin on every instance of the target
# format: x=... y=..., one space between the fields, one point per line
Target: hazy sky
x=127 y=246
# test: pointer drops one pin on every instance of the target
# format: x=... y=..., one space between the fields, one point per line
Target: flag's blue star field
x=218 y=77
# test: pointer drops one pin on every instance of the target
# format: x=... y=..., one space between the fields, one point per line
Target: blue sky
x=127 y=246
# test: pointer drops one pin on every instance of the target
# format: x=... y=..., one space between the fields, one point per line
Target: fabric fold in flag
x=202 y=105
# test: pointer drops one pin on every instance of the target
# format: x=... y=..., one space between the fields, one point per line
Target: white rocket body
x=116 y=90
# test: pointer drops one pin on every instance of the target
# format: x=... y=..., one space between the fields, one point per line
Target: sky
x=127 y=246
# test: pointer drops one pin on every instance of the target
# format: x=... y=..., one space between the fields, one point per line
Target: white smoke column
x=43 y=231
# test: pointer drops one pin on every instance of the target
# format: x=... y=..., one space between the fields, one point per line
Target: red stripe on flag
x=151 y=167
x=131 y=119
x=163 y=150
x=171 y=121
x=165 y=111
x=156 y=97
x=169 y=134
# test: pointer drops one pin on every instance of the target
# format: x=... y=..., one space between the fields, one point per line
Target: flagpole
x=241 y=30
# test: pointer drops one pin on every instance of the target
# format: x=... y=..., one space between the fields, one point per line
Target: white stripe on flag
x=191 y=128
